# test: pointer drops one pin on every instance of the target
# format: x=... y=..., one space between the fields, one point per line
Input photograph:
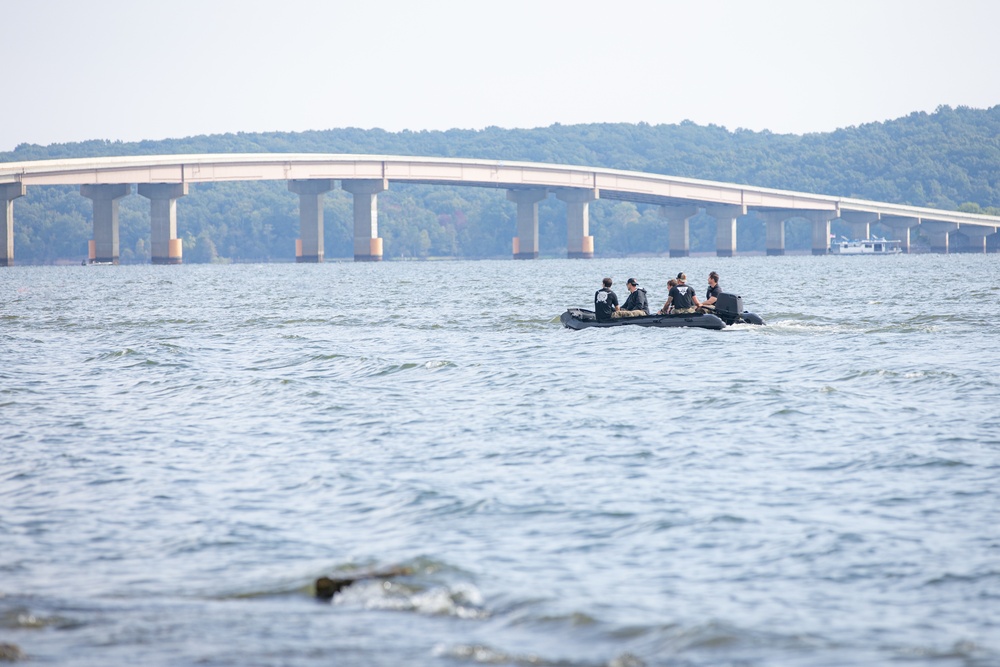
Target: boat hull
x=578 y=318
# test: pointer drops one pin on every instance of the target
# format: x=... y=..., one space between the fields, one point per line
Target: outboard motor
x=729 y=308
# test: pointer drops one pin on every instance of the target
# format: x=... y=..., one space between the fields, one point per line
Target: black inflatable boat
x=728 y=311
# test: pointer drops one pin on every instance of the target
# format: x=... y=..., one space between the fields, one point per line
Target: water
x=183 y=450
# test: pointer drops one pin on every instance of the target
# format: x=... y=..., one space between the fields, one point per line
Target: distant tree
x=200 y=249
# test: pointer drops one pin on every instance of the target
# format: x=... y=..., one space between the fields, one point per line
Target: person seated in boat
x=636 y=304
x=605 y=302
x=681 y=299
x=667 y=307
x=712 y=295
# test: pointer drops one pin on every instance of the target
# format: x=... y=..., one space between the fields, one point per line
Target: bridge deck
x=604 y=183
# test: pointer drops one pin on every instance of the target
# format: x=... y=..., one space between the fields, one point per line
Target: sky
x=142 y=69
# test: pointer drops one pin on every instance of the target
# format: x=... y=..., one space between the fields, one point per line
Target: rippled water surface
x=184 y=450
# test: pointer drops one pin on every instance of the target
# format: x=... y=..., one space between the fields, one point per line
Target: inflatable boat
x=728 y=311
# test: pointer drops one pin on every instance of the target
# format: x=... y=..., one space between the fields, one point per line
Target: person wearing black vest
x=682 y=297
x=635 y=305
x=605 y=302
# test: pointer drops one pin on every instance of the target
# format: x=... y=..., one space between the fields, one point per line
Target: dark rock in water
x=11 y=653
x=327 y=587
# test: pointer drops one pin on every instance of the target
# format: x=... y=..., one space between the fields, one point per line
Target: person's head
x=681 y=277
x=671 y=283
x=607 y=282
x=632 y=284
x=713 y=279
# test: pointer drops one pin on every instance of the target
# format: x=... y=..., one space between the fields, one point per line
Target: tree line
x=948 y=159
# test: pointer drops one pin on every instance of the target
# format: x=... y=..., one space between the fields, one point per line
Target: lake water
x=184 y=450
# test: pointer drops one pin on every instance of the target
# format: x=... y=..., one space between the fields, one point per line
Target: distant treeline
x=949 y=159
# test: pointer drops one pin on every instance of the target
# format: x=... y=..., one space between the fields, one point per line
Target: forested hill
x=947 y=159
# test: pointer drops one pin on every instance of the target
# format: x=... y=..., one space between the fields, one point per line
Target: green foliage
x=949 y=159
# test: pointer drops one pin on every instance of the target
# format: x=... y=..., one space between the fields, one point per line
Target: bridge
x=164 y=179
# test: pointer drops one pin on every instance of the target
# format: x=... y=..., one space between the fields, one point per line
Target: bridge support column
x=860 y=223
x=367 y=243
x=977 y=237
x=526 y=241
x=821 y=232
x=725 y=223
x=309 y=247
x=679 y=222
x=774 y=222
x=775 y=237
x=937 y=233
x=104 y=247
x=579 y=243
x=901 y=226
x=166 y=247
x=8 y=193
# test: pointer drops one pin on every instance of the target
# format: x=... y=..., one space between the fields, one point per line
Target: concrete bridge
x=164 y=179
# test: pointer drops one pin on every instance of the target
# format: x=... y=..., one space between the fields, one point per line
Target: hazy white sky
x=145 y=69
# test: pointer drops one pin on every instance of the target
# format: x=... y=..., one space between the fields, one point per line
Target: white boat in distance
x=874 y=246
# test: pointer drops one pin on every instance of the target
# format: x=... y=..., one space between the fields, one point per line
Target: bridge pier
x=977 y=237
x=679 y=228
x=820 y=231
x=937 y=234
x=367 y=243
x=725 y=234
x=166 y=247
x=859 y=223
x=8 y=193
x=104 y=246
x=526 y=241
x=579 y=243
x=901 y=226
x=309 y=246
x=774 y=224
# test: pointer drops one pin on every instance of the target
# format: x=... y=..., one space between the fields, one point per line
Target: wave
x=420 y=586
x=952 y=578
x=433 y=365
x=485 y=654
x=114 y=354
x=23 y=618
